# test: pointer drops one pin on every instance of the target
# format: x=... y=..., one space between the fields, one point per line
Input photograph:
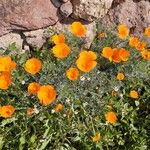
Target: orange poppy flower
x=120 y=76
x=147 y=31
x=33 y=66
x=124 y=54
x=107 y=52
x=58 y=38
x=33 y=88
x=111 y=117
x=5 y=80
x=141 y=45
x=6 y=64
x=123 y=31
x=72 y=73
x=133 y=41
x=86 y=61
x=46 y=94
x=134 y=94
x=7 y=111
x=61 y=50
x=96 y=137
x=89 y=55
x=58 y=107
x=116 y=55
x=78 y=29
x=146 y=54
x=30 y=111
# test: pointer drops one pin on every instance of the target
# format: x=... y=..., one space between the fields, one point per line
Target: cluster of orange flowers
x=46 y=93
x=140 y=46
x=123 y=33
x=85 y=63
x=116 y=55
x=60 y=50
x=6 y=66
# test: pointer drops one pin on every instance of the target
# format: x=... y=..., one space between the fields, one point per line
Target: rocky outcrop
x=26 y=15
x=134 y=14
x=90 y=10
x=27 y=21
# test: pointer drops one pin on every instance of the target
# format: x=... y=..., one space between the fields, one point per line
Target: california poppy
x=33 y=66
x=72 y=73
x=78 y=29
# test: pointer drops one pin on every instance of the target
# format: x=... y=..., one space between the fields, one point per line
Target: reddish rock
x=136 y=15
x=26 y=15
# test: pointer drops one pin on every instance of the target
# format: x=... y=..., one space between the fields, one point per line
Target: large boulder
x=90 y=10
x=26 y=15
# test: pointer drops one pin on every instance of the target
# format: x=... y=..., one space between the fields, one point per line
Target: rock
x=136 y=15
x=10 y=38
x=91 y=33
x=56 y=3
x=62 y=25
x=90 y=9
x=66 y=9
x=25 y=48
x=35 y=38
x=26 y=15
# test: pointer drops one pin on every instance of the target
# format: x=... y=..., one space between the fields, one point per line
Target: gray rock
x=10 y=38
x=90 y=9
x=91 y=33
x=35 y=38
x=66 y=9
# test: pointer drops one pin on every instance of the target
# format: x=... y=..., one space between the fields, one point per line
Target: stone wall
x=26 y=22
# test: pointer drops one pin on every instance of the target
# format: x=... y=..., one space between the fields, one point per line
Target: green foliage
x=85 y=102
